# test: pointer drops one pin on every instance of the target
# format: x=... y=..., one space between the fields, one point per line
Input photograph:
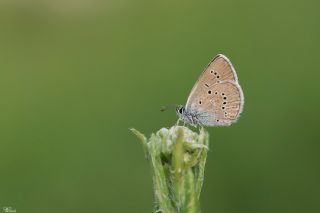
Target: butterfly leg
x=177 y=123
x=194 y=125
x=193 y=121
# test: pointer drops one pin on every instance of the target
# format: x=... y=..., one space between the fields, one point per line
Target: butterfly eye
x=181 y=110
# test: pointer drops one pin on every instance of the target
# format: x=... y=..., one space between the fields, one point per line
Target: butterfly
x=216 y=99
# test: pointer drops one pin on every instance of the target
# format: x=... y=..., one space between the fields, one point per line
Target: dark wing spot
x=200 y=102
x=206 y=85
x=224 y=98
x=224 y=102
x=209 y=92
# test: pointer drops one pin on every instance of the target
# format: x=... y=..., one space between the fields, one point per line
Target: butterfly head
x=180 y=111
x=186 y=116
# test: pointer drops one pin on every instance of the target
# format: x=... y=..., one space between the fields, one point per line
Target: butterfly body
x=188 y=116
x=216 y=99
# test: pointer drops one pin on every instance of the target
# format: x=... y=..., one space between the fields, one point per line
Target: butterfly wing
x=219 y=105
x=219 y=69
x=216 y=98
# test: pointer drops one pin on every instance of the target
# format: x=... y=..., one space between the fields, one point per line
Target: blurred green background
x=75 y=75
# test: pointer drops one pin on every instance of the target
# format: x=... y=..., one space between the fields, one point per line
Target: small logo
x=8 y=209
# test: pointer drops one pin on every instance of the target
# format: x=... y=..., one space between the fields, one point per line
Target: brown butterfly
x=216 y=99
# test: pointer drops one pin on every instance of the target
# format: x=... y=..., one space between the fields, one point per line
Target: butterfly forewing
x=219 y=69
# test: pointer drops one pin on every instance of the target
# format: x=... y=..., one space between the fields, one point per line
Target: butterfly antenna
x=164 y=108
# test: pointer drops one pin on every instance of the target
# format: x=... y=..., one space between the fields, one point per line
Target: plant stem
x=177 y=157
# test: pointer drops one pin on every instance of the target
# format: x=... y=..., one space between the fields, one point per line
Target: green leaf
x=142 y=139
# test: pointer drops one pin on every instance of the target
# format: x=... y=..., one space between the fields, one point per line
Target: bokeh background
x=75 y=75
